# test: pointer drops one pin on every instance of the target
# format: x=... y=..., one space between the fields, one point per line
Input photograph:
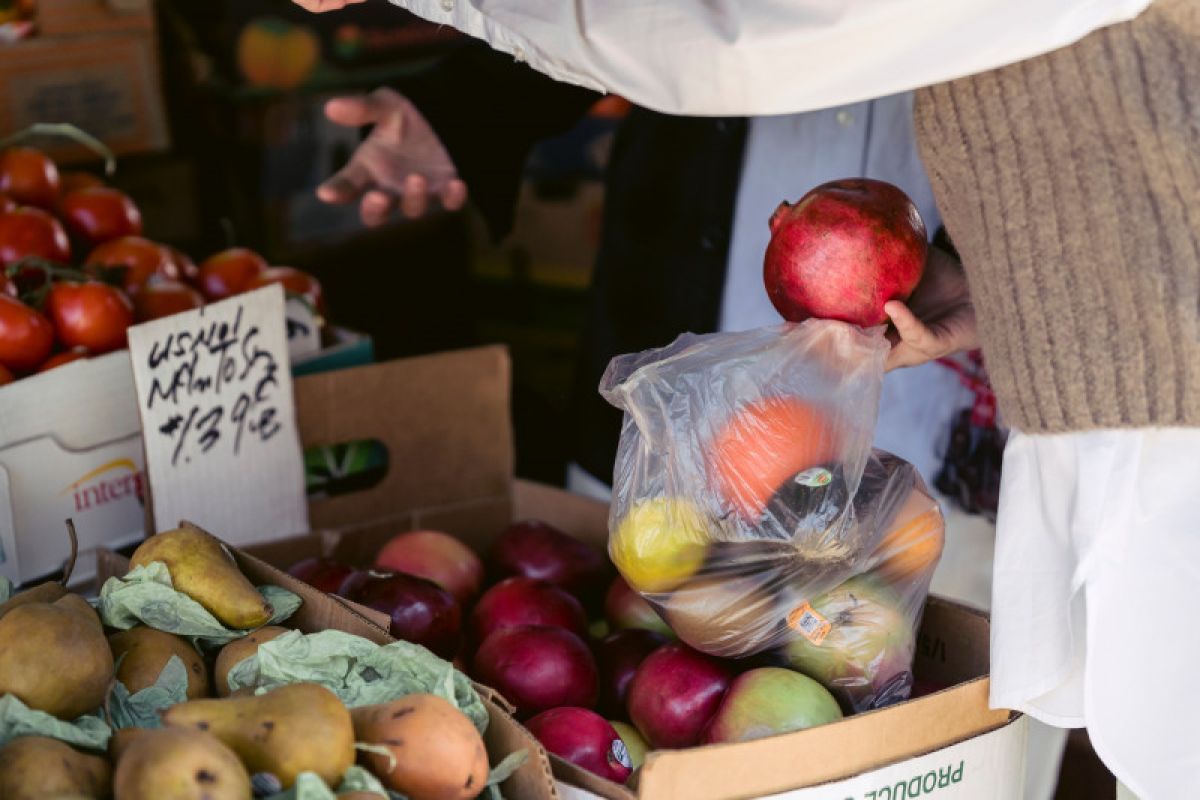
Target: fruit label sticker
x=214 y=391
x=620 y=753
x=815 y=477
x=809 y=624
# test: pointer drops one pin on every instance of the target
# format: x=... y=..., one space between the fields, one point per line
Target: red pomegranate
x=843 y=251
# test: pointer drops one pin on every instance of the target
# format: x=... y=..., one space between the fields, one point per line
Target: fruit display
x=602 y=674
x=164 y=688
x=76 y=270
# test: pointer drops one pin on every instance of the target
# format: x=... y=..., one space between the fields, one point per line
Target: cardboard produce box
x=444 y=421
x=102 y=78
x=71 y=447
x=324 y=612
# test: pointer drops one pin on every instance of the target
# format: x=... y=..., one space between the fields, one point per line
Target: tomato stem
x=68 y=131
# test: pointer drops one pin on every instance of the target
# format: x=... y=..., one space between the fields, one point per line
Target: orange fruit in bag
x=763 y=445
x=913 y=544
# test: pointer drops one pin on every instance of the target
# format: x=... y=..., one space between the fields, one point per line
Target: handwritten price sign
x=215 y=393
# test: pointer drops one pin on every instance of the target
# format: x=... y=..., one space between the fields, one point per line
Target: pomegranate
x=843 y=251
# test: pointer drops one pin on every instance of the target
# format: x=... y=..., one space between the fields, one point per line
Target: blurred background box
x=85 y=17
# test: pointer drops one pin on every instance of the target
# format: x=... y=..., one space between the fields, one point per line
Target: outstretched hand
x=939 y=318
x=401 y=164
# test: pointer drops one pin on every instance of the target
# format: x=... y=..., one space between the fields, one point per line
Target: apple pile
x=593 y=669
x=76 y=271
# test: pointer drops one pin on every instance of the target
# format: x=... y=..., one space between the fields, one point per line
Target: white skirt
x=1096 y=597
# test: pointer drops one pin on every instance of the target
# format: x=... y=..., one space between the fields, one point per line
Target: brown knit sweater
x=1070 y=185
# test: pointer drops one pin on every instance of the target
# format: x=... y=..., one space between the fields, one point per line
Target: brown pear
x=297 y=728
x=146 y=651
x=239 y=650
x=42 y=593
x=38 y=767
x=202 y=569
x=74 y=602
x=435 y=751
x=180 y=764
x=54 y=658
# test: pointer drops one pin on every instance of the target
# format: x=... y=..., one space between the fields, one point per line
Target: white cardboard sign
x=214 y=391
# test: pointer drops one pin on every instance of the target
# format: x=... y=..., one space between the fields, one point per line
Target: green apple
x=768 y=701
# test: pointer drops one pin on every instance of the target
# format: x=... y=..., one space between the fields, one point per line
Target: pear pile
x=56 y=658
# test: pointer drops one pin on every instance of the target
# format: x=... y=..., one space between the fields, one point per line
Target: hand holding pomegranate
x=938 y=319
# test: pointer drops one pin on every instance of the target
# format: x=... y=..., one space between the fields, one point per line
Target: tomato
x=99 y=213
x=188 y=270
x=139 y=257
x=7 y=287
x=92 y=315
x=32 y=232
x=5 y=375
x=7 y=204
x=73 y=180
x=229 y=272
x=25 y=335
x=28 y=176
x=293 y=281
x=161 y=297
x=65 y=357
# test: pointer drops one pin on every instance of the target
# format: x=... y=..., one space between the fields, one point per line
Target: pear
x=297 y=728
x=435 y=751
x=239 y=650
x=82 y=607
x=53 y=657
x=180 y=764
x=146 y=651
x=42 y=593
x=38 y=767
x=201 y=568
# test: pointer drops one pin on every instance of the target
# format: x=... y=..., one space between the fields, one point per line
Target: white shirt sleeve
x=761 y=57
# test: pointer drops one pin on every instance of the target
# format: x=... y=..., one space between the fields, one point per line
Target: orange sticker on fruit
x=809 y=624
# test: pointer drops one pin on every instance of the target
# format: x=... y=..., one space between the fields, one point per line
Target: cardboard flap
x=444 y=420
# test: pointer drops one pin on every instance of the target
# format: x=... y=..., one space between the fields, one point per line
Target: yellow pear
x=239 y=650
x=202 y=569
x=54 y=658
x=435 y=752
x=42 y=593
x=37 y=767
x=179 y=764
x=146 y=651
x=297 y=728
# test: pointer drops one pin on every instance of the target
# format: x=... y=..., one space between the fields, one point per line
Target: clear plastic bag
x=750 y=509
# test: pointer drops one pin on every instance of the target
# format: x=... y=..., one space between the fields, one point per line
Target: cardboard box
x=324 y=612
x=73 y=17
x=105 y=83
x=71 y=447
x=445 y=423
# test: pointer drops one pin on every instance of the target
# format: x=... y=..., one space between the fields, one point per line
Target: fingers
x=376 y=208
x=913 y=342
x=355 y=111
x=321 y=6
x=454 y=195
x=415 y=199
x=346 y=185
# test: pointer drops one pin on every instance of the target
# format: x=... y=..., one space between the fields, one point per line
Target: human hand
x=319 y=6
x=939 y=318
x=402 y=162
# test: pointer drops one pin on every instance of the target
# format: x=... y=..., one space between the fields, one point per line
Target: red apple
x=846 y=248
x=585 y=739
x=767 y=701
x=324 y=574
x=422 y=612
x=675 y=693
x=525 y=601
x=537 y=667
x=535 y=549
x=619 y=656
x=625 y=608
x=435 y=556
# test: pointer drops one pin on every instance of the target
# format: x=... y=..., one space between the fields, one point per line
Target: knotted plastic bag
x=750 y=509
